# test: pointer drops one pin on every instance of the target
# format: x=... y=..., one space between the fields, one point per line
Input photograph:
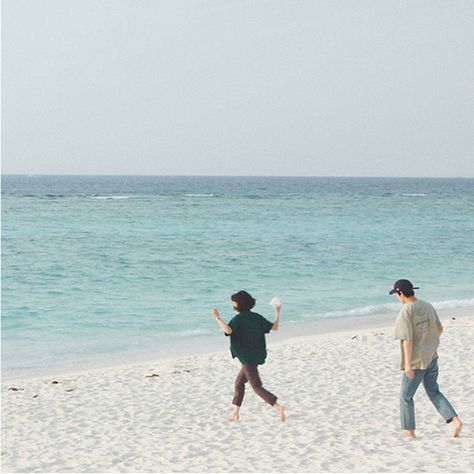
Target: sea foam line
x=199 y=195
x=187 y=332
x=112 y=197
x=389 y=307
x=465 y=303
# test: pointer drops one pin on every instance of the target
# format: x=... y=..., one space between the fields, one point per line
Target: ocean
x=103 y=269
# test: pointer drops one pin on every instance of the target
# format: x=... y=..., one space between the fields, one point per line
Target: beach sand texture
x=340 y=393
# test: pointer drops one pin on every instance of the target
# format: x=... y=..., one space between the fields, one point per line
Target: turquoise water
x=96 y=268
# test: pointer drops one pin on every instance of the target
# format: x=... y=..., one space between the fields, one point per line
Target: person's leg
x=441 y=403
x=240 y=382
x=407 y=407
x=256 y=383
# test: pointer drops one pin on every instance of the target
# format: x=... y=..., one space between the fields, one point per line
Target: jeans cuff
x=449 y=420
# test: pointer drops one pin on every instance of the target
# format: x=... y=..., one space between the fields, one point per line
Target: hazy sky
x=234 y=87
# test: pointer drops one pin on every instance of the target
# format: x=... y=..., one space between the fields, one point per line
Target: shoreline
x=340 y=391
x=218 y=344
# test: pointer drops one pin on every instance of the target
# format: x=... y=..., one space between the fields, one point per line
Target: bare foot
x=234 y=416
x=457 y=426
x=281 y=410
x=408 y=433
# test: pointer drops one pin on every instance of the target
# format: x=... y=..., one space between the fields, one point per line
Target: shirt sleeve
x=438 y=322
x=403 y=326
x=234 y=325
x=266 y=325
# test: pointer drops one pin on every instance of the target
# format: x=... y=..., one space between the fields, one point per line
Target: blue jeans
x=429 y=378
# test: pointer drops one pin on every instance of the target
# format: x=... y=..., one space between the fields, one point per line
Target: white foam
x=388 y=308
x=112 y=197
x=188 y=332
x=362 y=311
x=200 y=195
x=465 y=303
x=415 y=194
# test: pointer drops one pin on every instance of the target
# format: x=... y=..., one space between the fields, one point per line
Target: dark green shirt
x=247 y=341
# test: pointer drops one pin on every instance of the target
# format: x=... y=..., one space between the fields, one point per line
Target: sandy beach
x=340 y=391
x=162 y=160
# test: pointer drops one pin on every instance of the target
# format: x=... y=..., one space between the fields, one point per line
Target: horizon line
x=228 y=176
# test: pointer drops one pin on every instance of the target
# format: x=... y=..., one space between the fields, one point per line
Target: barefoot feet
x=408 y=433
x=234 y=416
x=457 y=427
x=281 y=410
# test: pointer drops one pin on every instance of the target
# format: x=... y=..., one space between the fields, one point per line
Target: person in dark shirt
x=247 y=342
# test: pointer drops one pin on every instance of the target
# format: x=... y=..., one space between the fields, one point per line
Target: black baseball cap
x=405 y=286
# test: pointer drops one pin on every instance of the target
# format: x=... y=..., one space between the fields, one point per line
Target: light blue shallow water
x=102 y=267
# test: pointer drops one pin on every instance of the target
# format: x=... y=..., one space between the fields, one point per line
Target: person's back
x=248 y=337
x=418 y=328
x=419 y=321
x=247 y=342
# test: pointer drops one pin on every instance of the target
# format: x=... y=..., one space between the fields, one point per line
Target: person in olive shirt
x=247 y=342
x=418 y=328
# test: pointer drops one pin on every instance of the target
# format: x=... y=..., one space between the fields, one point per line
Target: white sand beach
x=340 y=393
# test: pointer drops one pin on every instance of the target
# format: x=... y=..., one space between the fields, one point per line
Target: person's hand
x=215 y=313
x=278 y=307
x=410 y=374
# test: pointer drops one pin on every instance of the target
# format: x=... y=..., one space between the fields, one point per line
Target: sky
x=236 y=87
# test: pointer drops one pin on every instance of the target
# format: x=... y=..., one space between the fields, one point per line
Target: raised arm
x=276 y=322
x=225 y=327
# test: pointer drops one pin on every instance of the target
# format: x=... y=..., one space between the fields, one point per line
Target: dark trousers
x=249 y=373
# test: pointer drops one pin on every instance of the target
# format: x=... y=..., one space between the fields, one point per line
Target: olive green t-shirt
x=418 y=321
x=247 y=340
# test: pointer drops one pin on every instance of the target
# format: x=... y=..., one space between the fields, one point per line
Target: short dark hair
x=244 y=301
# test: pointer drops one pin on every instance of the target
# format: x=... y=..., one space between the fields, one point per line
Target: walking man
x=418 y=328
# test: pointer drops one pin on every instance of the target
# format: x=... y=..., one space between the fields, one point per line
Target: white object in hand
x=275 y=301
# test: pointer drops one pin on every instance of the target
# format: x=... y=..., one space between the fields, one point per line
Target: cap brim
x=391 y=292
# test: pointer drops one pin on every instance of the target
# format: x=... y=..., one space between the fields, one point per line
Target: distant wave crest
x=187 y=332
x=465 y=303
x=390 y=307
x=362 y=311
x=112 y=197
x=200 y=194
